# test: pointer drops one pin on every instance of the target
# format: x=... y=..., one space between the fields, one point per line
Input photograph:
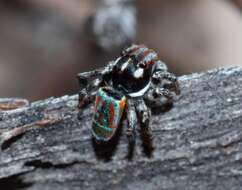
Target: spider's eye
x=122 y=60
x=123 y=53
x=142 y=65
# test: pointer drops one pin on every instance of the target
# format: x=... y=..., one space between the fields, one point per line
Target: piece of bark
x=198 y=143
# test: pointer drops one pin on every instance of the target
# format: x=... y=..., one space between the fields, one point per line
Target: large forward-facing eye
x=125 y=64
x=139 y=73
x=121 y=60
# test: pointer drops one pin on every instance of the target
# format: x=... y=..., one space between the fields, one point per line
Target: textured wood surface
x=198 y=143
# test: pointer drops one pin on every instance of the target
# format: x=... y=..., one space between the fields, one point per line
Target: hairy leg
x=88 y=93
x=166 y=80
x=144 y=114
x=157 y=97
x=90 y=82
x=131 y=121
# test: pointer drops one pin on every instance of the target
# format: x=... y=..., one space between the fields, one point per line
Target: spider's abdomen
x=109 y=108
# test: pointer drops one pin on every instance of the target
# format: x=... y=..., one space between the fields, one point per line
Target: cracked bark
x=198 y=143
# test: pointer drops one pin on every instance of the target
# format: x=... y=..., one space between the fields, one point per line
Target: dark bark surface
x=198 y=143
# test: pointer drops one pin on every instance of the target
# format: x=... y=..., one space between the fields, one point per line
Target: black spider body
x=133 y=70
x=132 y=84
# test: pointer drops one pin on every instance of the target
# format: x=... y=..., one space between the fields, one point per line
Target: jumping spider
x=131 y=85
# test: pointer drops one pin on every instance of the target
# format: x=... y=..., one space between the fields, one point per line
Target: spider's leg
x=88 y=89
x=90 y=82
x=157 y=97
x=85 y=77
x=103 y=74
x=131 y=121
x=88 y=93
x=85 y=98
x=144 y=114
x=161 y=66
x=165 y=79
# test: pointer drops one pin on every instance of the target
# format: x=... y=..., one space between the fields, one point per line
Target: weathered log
x=198 y=143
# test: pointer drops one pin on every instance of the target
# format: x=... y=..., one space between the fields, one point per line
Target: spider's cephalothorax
x=133 y=70
x=131 y=85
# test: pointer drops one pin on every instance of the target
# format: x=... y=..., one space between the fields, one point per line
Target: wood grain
x=197 y=143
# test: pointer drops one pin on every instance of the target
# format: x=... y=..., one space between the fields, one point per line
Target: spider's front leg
x=158 y=97
x=89 y=85
x=164 y=87
x=165 y=79
x=90 y=82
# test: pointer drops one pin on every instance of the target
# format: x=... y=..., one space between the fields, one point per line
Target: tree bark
x=197 y=143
